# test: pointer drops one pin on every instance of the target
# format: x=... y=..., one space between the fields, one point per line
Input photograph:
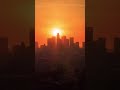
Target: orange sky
x=69 y=15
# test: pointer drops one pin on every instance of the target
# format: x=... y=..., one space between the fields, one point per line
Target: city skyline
x=66 y=15
x=59 y=44
x=64 y=40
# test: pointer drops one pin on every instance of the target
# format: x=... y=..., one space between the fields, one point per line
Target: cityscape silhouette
x=61 y=64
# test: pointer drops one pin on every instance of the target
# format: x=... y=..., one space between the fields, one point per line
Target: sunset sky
x=66 y=15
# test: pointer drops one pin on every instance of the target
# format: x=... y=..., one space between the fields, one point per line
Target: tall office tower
x=89 y=34
x=77 y=45
x=31 y=52
x=3 y=45
x=58 y=41
x=49 y=43
x=58 y=36
x=89 y=42
x=54 y=41
x=101 y=44
x=71 y=42
x=67 y=43
x=64 y=41
x=117 y=44
x=32 y=38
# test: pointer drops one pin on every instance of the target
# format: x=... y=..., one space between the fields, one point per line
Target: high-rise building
x=32 y=38
x=51 y=42
x=117 y=44
x=89 y=42
x=54 y=41
x=59 y=41
x=71 y=42
x=89 y=34
x=58 y=36
x=3 y=45
x=76 y=45
x=31 y=51
x=64 y=41
x=101 y=44
x=67 y=43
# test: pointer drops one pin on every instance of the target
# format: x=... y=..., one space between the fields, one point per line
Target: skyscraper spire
x=58 y=36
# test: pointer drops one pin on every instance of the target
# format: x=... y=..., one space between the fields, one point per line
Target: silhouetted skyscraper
x=89 y=34
x=76 y=45
x=71 y=42
x=117 y=44
x=67 y=43
x=54 y=41
x=31 y=51
x=32 y=38
x=59 y=42
x=3 y=45
x=51 y=42
x=89 y=43
x=58 y=36
x=101 y=44
x=63 y=41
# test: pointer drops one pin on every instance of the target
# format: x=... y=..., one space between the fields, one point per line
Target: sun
x=56 y=30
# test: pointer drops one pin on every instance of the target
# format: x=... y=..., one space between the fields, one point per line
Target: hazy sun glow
x=66 y=17
x=56 y=30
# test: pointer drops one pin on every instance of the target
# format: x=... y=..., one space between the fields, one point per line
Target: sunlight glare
x=55 y=31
